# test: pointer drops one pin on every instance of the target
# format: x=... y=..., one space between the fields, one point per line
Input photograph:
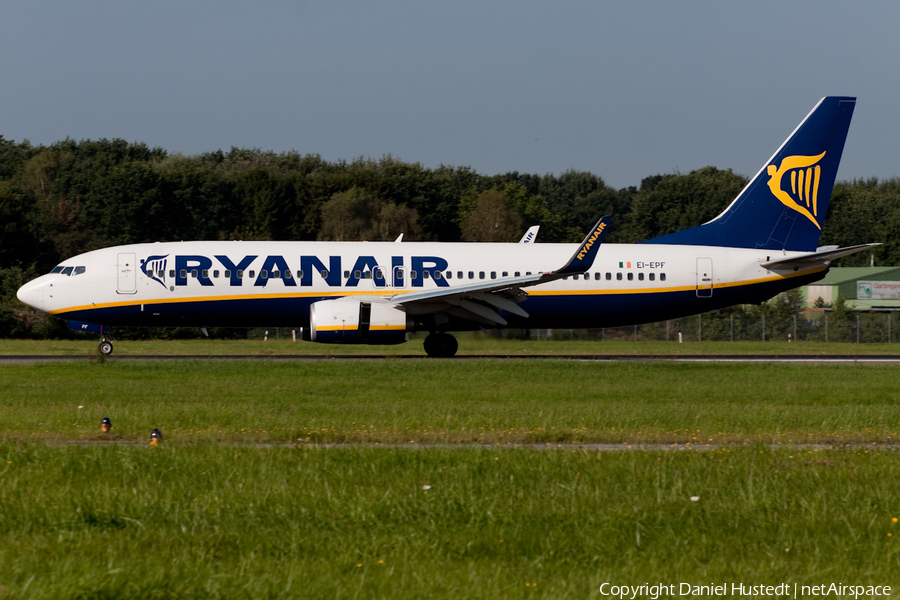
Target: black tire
x=105 y=348
x=440 y=345
x=430 y=344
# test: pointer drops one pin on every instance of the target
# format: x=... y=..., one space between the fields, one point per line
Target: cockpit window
x=57 y=270
x=67 y=270
x=79 y=270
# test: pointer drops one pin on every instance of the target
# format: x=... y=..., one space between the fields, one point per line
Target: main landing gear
x=440 y=345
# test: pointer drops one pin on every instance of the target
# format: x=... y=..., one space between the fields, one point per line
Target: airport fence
x=712 y=327
x=862 y=328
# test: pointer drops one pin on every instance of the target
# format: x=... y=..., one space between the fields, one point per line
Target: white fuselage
x=274 y=283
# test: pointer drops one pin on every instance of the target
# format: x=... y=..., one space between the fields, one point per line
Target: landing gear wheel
x=105 y=348
x=440 y=345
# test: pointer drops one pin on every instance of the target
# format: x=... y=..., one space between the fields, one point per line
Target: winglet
x=583 y=258
x=529 y=236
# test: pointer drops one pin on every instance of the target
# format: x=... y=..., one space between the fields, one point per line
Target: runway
x=886 y=359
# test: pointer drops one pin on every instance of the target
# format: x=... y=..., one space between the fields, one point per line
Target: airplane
x=763 y=243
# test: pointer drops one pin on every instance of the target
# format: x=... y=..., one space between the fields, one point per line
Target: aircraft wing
x=480 y=301
x=819 y=257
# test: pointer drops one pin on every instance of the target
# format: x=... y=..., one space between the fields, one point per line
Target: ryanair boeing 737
x=763 y=243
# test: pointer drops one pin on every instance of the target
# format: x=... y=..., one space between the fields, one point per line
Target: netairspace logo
x=788 y=590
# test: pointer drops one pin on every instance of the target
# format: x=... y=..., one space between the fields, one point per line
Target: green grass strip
x=474 y=401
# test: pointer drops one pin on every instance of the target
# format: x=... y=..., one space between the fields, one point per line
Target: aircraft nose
x=32 y=293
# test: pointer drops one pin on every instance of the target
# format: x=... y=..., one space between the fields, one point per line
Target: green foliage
x=671 y=203
x=357 y=215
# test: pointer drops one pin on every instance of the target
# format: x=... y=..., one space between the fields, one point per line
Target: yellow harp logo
x=804 y=175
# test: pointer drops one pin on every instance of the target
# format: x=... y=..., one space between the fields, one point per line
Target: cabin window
x=67 y=271
x=608 y=276
x=574 y=277
x=413 y=274
x=378 y=273
x=78 y=271
x=459 y=275
x=662 y=276
x=194 y=273
x=172 y=273
x=619 y=276
x=426 y=273
x=518 y=274
x=324 y=273
x=437 y=275
x=276 y=274
x=493 y=274
x=227 y=273
x=449 y=275
x=183 y=273
x=640 y=276
x=367 y=274
x=216 y=274
x=357 y=274
x=299 y=274
x=264 y=274
x=597 y=276
x=205 y=273
x=480 y=274
x=240 y=274
x=527 y=272
x=652 y=276
x=286 y=274
x=251 y=274
x=631 y=277
x=346 y=274
x=505 y=274
x=471 y=274
x=56 y=270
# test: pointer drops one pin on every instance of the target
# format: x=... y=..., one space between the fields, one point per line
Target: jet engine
x=353 y=321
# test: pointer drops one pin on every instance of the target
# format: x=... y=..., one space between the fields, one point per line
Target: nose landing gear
x=440 y=345
x=105 y=347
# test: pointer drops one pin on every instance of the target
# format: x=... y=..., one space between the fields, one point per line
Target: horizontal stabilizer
x=814 y=258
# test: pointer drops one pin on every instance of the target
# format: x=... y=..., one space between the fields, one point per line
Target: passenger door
x=126 y=273
x=704 y=278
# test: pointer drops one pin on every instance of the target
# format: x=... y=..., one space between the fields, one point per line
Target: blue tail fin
x=784 y=206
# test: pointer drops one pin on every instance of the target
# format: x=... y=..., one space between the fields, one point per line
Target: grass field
x=210 y=521
x=213 y=514
x=469 y=344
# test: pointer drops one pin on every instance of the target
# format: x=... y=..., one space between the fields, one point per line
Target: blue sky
x=622 y=89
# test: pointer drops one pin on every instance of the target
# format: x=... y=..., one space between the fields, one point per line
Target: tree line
x=70 y=197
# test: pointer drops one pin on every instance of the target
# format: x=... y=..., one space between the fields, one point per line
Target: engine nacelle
x=353 y=321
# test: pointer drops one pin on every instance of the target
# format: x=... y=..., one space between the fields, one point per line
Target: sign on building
x=878 y=290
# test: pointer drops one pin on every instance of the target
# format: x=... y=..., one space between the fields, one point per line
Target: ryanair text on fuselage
x=193 y=266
